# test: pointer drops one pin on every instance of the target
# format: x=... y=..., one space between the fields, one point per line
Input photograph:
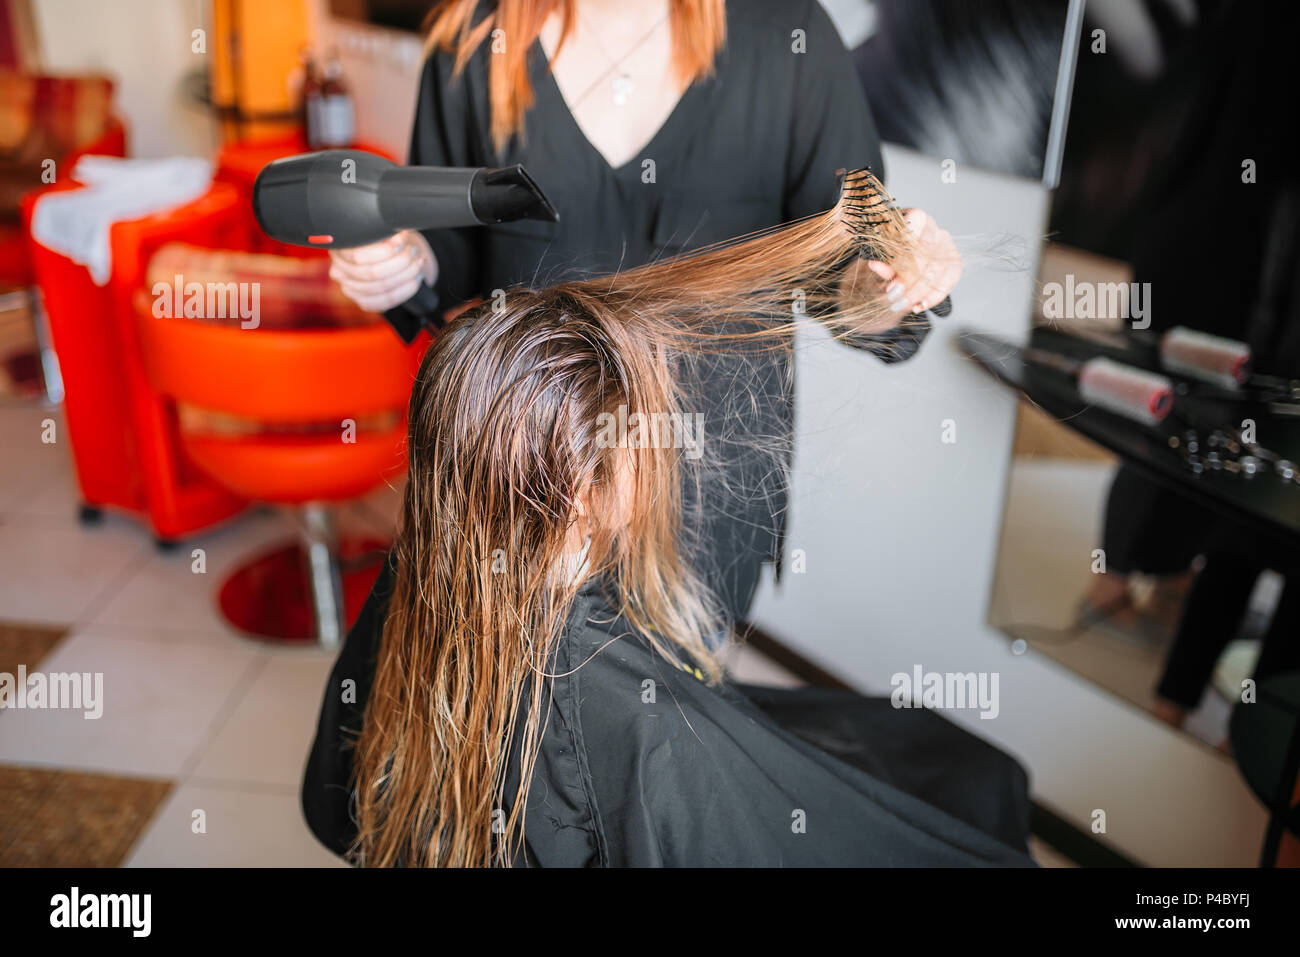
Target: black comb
x=866 y=206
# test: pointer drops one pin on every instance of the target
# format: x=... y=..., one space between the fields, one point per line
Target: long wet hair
x=506 y=440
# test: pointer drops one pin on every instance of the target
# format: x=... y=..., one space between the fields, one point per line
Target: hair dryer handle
x=419 y=312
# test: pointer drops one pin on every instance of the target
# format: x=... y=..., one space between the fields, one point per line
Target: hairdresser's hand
x=383 y=275
x=932 y=273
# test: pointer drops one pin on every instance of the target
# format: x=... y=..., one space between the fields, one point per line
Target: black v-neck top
x=754 y=145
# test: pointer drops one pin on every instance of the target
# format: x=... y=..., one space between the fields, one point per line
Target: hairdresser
x=654 y=127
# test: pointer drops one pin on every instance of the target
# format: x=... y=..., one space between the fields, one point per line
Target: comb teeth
x=865 y=207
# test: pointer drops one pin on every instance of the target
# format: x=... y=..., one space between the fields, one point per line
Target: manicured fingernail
x=901 y=305
x=916 y=224
x=894 y=289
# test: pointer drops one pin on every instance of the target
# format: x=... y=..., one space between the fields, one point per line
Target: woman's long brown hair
x=505 y=442
x=699 y=30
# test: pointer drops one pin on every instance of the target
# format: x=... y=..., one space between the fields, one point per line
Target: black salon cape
x=756 y=144
x=643 y=764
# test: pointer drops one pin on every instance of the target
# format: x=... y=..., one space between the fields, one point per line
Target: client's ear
x=580 y=526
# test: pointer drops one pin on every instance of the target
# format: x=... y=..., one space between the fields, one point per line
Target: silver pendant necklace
x=621 y=86
x=622 y=89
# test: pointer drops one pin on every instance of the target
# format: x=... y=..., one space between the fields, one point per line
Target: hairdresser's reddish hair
x=699 y=29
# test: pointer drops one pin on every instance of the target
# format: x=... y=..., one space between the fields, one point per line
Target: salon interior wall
x=382 y=68
x=899 y=533
x=145 y=45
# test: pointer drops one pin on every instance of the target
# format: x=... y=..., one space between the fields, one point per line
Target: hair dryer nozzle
x=508 y=194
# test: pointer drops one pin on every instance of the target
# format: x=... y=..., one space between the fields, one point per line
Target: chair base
x=270 y=598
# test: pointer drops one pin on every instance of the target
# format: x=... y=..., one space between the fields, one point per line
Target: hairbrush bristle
x=866 y=208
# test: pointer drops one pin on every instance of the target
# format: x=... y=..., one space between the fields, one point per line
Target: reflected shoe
x=1120 y=618
x=1235 y=666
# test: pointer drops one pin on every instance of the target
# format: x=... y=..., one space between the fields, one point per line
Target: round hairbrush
x=868 y=210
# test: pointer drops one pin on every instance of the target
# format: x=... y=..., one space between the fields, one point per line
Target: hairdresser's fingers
x=928 y=291
x=908 y=290
x=949 y=282
x=398 y=260
x=389 y=299
x=373 y=253
x=383 y=295
x=918 y=220
x=904 y=289
x=416 y=240
x=394 y=273
x=388 y=291
x=924 y=290
x=389 y=273
x=889 y=277
x=932 y=275
x=931 y=241
x=861 y=280
x=941 y=279
x=883 y=270
x=385 y=259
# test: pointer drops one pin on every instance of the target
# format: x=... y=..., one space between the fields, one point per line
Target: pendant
x=622 y=89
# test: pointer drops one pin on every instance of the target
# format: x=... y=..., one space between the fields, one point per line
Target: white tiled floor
x=186 y=698
x=241 y=827
x=162 y=701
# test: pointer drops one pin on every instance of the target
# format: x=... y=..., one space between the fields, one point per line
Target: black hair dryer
x=336 y=199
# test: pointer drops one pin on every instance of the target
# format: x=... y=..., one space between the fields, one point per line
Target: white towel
x=77 y=223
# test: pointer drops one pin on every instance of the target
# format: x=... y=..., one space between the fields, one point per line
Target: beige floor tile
x=162 y=702
x=57 y=572
x=244 y=828
x=266 y=736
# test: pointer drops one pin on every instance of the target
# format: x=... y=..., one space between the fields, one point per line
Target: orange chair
x=124 y=438
x=309 y=389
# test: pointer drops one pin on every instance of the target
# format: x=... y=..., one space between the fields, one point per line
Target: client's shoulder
x=619 y=674
x=633 y=709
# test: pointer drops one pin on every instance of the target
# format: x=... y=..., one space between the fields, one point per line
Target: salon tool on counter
x=1133 y=393
x=1217 y=367
x=1227 y=449
x=1199 y=355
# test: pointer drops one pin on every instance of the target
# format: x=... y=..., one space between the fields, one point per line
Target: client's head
x=522 y=486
